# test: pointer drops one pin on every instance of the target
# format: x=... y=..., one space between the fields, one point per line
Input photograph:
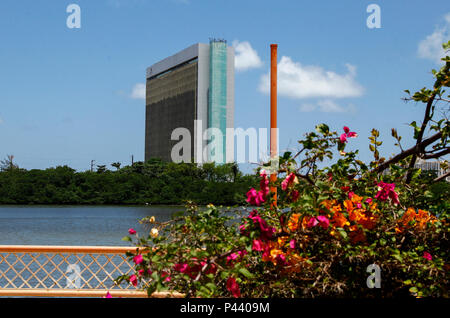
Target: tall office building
x=196 y=84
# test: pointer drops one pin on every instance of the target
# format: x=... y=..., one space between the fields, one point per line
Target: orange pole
x=273 y=114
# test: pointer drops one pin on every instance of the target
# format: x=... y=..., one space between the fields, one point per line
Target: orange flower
x=328 y=203
x=418 y=219
x=348 y=204
x=356 y=198
x=368 y=220
x=295 y=263
x=305 y=222
x=282 y=241
x=408 y=216
x=373 y=206
x=336 y=208
x=293 y=222
x=339 y=220
x=356 y=234
x=424 y=217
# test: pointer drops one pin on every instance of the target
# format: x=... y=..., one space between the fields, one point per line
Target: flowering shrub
x=318 y=239
x=326 y=226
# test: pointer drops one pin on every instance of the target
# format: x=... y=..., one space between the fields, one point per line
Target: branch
x=418 y=148
x=445 y=175
x=443 y=99
x=437 y=154
x=420 y=136
x=307 y=178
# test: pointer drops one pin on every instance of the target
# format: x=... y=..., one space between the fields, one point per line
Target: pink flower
x=288 y=181
x=243 y=228
x=233 y=287
x=212 y=269
x=232 y=257
x=385 y=191
x=330 y=176
x=242 y=253
x=258 y=197
x=131 y=231
x=281 y=259
x=264 y=185
x=138 y=259
x=182 y=268
x=255 y=197
x=166 y=275
x=427 y=256
x=323 y=221
x=368 y=200
x=347 y=134
x=108 y=295
x=292 y=244
x=133 y=280
x=266 y=230
x=312 y=222
x=351 y=194
x=345 y=189
x=257 y=245
x=359 y=205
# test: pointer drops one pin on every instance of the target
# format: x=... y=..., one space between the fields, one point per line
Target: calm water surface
x=75 y=225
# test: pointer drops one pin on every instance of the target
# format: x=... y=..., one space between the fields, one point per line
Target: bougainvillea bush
x=320 y=228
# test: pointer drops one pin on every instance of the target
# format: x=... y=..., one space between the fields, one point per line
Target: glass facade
x=217 y=97
x=171 y=103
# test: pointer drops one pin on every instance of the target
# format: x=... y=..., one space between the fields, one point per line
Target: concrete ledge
x=41 y=292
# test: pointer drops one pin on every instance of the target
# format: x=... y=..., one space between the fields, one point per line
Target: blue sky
x=66 y=95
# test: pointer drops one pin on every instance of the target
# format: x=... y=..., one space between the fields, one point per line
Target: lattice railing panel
x=29 y=269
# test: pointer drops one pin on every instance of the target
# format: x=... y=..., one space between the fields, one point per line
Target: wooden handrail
x=66 y=249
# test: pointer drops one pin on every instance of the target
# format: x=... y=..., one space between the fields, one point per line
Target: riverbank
x=150 y=183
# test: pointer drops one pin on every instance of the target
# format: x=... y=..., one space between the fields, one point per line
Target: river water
x=75 y=225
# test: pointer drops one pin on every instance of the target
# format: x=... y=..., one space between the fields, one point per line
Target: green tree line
x=151 y=182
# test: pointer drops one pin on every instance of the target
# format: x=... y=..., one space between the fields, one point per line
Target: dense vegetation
x=152 y=182
x=321 y=223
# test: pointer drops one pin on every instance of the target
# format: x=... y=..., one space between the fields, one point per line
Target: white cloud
x=245 y=56
x=431 y=47
x=303 y=81
x=326 y=106
x=138 y=91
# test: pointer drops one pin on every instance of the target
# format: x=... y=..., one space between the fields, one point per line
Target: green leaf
x=413 y=290
x=342 y=232
x=322 y=129
x=212 y=287
x=150 y=290
x=245 y=272
x=126 y=239
x=224 y=275
x=428 y=194
x=287 y=155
